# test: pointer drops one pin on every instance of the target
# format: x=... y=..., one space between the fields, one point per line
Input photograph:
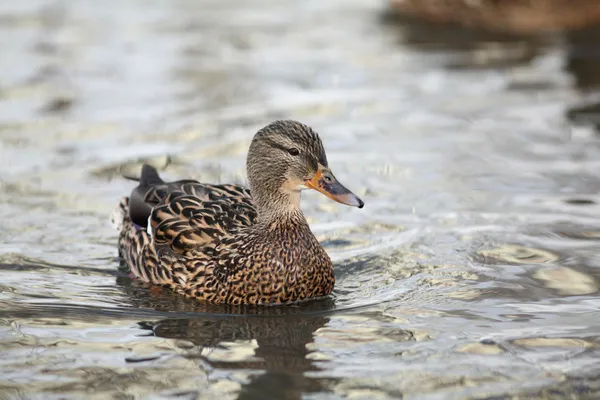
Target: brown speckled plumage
x=222 y=244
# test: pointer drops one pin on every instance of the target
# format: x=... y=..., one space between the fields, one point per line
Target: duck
x=229 y=244
x=521 y=17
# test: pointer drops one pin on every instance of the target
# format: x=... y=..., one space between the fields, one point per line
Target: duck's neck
x=280 y=208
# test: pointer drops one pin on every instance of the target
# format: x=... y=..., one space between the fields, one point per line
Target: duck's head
x=286 y=157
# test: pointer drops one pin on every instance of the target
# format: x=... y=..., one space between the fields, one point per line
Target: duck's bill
x=326 y=183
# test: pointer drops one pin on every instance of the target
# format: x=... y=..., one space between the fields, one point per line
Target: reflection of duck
x=516 y=16
x=280 y=357
x=219 y=243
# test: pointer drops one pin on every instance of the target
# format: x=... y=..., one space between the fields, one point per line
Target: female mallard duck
x=512 y=16
x=227 y=244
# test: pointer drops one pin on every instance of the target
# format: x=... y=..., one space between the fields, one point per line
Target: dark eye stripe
x=272 y=143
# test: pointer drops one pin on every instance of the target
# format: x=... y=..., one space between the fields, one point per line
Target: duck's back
x=187 y=214
x=163 y=219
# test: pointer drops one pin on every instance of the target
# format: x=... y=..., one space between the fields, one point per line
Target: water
x=472 y=271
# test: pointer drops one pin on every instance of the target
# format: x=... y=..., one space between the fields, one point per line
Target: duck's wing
x=186 y=214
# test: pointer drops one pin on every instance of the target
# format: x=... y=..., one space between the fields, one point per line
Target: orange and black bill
x=326 y=183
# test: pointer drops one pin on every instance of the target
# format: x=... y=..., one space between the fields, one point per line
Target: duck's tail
x=135 y=244
x=149 y=176
x=129 y=207
x=139 y=208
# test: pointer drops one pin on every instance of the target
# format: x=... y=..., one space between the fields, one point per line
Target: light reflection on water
x=471 y=272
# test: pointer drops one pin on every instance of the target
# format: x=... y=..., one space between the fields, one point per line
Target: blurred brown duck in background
x=510 y=16
x=227 y=244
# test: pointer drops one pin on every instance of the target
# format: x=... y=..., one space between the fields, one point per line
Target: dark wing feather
x=183 y=221
x=187 y=214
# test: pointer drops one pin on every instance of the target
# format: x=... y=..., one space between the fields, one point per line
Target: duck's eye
x=294 y=152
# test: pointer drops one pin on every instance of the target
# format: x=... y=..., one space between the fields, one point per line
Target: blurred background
x=470 y=129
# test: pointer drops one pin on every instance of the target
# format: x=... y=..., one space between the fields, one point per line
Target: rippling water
x=472 y=271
